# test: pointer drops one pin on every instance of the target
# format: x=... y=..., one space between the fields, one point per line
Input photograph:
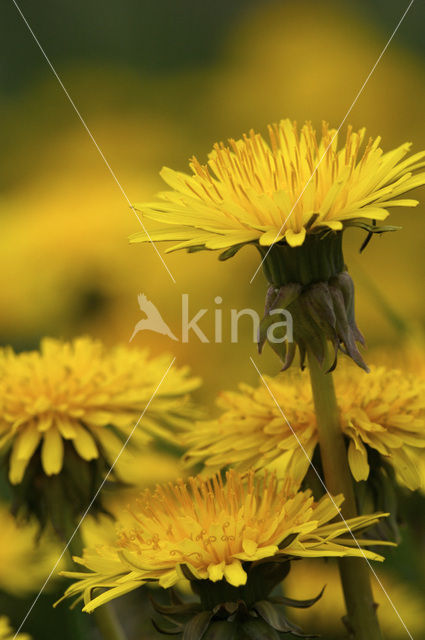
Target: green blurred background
x=158 y=81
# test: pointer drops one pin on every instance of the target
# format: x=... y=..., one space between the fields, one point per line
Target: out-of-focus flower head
x=7 y=633
x=251 y=433
x=24 y=563
x=66 y=411
x=382 y=413
x=213 y=531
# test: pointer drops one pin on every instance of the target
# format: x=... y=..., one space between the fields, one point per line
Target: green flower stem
x=355 y=574
x=105 y=617
x=108 y=624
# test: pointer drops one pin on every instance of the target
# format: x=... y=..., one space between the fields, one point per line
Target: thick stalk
x=355 y=574
x=108 y=624
x=105 y=617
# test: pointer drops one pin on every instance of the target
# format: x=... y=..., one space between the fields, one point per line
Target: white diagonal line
x=65 y=549
x=331 y=497
x=92 y=138
x=334 y=136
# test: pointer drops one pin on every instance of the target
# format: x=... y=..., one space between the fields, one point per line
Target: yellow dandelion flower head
x=383 y=411
x=215 y=530
x=24 y=563
x=294 y=184
x=83 y=395
x=7 y=633
x=251 y=432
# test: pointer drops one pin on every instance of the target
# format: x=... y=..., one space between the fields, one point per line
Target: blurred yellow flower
x=7 y=633
x=251 y=433
x=255 y=191
x=384 y=411
x=24 y=563
x=87 y=396
x=214 y=529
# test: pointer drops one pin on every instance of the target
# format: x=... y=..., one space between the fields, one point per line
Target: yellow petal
x=27 y=442
x=235 y=574
x=109 y=595
x=17 y=467
x=270 y=237
x=406 y=469
x=357 y=458
x=335 y=225
x=44 y=422
x=110 y=442
x=52 y=452
x=249 y=546
x=66 y=427
x=84 y=443
x=294 y=238
x=215 y=572
x=168 y=579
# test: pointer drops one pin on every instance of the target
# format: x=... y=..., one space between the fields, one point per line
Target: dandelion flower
x=248 y=189
x=214 y=532
x=291 y=197
x=7 y=633
x=385 y=412
x=67 y=409
x=382 y=413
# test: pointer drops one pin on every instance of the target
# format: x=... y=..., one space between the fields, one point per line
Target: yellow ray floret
x=253 y=190
x=215 y=529
x=86 y=395
x=384 y=411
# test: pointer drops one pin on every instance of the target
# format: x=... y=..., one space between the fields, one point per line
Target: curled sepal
x=177 y=613
x=176 y=630
x=229 y=253
x=276 y=619
x=267 y=573
x=276 y=299
x=297 y=604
